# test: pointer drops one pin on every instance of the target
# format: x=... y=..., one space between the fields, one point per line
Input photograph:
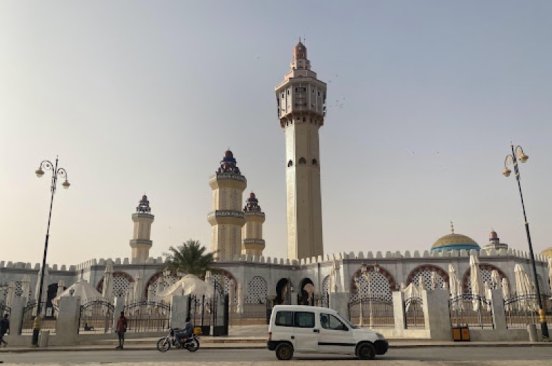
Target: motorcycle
x=190 y=343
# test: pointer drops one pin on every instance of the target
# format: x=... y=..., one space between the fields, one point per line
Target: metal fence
x=96 y=317
x=462 y=311
x=29 y=315
x=374 y=311
x=520 y=311
x=147 y=316
x=414 y=313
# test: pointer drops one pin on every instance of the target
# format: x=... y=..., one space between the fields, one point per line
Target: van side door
x=335 y=336
x=305 y=334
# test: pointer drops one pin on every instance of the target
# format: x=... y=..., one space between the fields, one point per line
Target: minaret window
x=290 y=163
x=302 y=161
x=314 y=162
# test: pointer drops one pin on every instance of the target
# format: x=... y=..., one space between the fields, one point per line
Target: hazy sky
x=139 y=97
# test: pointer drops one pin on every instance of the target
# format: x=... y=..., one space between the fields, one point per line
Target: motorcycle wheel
x=193 y=345
x=163 y=344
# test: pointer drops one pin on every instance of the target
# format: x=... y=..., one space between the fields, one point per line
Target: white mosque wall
x=398 y=265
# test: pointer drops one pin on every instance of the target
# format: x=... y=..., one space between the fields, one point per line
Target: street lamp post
x=518 y=154
x=56 y=172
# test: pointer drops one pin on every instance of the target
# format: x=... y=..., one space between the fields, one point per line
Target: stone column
x=16 y=316
x=499 y=317
x=179 y=311
x=436 y=314
x=398 y=311
x=339 y=302
x=67 y=324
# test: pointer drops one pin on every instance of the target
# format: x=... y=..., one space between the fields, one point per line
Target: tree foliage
x=190 y=258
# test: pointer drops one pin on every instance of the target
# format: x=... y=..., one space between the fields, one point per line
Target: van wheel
x=366 y=351
x=284 y=351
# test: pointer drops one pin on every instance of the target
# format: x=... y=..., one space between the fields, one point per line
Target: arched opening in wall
x=50 y=295
x=486 y=274
x=325 y=293
x=256 y=291
x=302 y=161
x=121 y=284
x=314 y=162
x=431 y=276
x=158 y=283
x=290 y=164
x=306 y=295
x=284 y=288
x=370 y=299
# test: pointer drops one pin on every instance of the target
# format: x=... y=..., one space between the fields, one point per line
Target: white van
x=312 y=329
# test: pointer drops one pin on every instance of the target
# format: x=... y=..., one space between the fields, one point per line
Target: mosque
x=307 y=275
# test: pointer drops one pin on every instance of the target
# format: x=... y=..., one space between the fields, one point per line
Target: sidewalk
x=253 y=337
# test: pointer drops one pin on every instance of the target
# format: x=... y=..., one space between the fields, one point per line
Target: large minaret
x=301 y=99
x=140 y=242
x=227 y=217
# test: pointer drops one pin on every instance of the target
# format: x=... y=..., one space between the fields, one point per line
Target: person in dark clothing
x=186 y=331
x=4 y=328
x=121 y=329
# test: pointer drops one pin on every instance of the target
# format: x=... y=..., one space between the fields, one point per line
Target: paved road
x=437 y=355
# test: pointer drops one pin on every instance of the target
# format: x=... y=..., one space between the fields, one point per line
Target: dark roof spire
x=143 y=205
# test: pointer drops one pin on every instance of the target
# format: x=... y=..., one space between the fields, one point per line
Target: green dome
x=454 y=242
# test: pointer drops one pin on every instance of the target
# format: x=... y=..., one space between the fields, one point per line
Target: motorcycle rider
x=186 y=332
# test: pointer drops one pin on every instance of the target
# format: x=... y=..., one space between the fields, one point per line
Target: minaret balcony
x=226 y=217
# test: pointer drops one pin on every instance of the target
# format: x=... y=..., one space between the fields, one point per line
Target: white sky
x=138 y=97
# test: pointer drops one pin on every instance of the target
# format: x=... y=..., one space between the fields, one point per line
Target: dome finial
x=451 y=226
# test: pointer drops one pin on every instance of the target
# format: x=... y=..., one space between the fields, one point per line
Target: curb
x=263 y=346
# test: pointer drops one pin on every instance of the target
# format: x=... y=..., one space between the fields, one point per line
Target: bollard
x=532 y=330
x=43 y=339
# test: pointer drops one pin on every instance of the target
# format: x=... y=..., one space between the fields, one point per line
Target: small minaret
x=253 y=243
x=301 y=100
x=227 y=218
x=494 y=242
x=141 y=242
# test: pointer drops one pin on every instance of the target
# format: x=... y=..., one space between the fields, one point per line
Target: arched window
x=256 y=291
x=290 y=163
x=314 y=162
x=302 y=161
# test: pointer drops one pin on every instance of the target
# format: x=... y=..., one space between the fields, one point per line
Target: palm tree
x=190 y=258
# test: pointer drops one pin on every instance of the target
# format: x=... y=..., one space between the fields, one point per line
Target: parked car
x=311 y=329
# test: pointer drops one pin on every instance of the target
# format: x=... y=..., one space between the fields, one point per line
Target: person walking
x=121 y=329
x=4 y=328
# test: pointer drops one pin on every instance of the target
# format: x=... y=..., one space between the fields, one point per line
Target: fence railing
x=147 y=316
x=471 y=310
x=414 y=313
x=521 y=311
x=374 y=312
x=96 y=317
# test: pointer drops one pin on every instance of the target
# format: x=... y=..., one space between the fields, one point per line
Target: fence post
x=499 y=316
x=398 y=311
x=339 y=302
x=16 y=315
x=437 y=314
x=179 y=311
x=67 y=323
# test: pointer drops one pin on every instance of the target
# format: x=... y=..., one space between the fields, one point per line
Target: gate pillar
x=499 y=317
x=398 y=311
x=436 y=314
x=179 y=311
x=16 y=315
x=67 y=323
